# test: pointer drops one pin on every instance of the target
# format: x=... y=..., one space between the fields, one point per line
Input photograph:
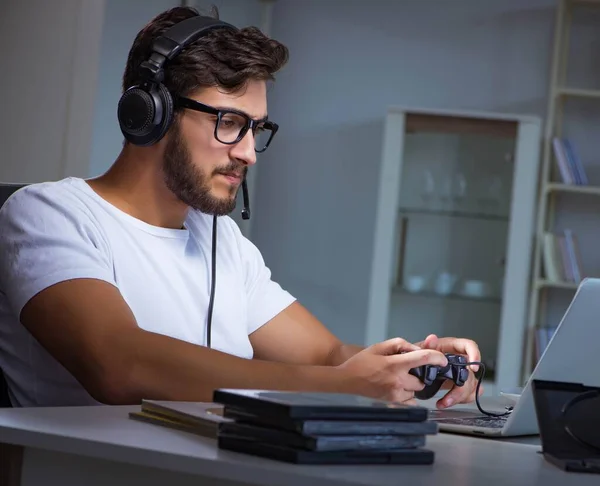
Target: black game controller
x=433 y=376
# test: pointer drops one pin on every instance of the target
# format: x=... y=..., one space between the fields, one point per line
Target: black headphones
x=145 y=111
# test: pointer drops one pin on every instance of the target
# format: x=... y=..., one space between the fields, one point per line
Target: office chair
x=6 y=191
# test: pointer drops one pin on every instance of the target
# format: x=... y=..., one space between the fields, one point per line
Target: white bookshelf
x=561 y=205
x=476 y=220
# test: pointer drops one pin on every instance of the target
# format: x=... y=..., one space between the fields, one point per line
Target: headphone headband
x=145 y=111
x=173 y=40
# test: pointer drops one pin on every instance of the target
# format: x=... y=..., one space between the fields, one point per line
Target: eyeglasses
x=232 y=125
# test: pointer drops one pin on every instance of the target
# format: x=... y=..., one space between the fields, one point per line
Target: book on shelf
x=569 y=163
x=562 y=260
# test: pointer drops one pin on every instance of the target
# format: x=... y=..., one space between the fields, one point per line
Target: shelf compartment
x=453 y=213
x=572 y=188
x=544 y=283
x=578 y=93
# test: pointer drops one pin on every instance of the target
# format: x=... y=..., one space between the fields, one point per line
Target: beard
x=190 y=184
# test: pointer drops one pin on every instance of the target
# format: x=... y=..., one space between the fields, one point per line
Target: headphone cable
x=211 y=301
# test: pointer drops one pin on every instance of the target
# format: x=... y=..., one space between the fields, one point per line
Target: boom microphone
x=246 y=209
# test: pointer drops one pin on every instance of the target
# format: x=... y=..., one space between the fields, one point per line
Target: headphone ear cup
x=166 y=101
x=145 y=114
x=136 y=112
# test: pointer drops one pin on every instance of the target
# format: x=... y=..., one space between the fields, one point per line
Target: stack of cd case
x=323 y=428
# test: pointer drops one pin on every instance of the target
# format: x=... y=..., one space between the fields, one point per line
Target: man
x=106 y=283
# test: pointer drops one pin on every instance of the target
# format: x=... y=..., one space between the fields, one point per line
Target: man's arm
x=296 y=336
x=87 y=326
x=57 y=274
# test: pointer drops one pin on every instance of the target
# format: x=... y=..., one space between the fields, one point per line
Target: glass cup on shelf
x=428 y=187
x=445 y=282
x=454 y=191
x=446 y=193
x=415 y=283
x=459 y=188
x=495 y=193
x=491 y=199
x=476 y=288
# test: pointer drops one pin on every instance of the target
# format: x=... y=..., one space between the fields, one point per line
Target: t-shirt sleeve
x=45 y=238
x=266 y=298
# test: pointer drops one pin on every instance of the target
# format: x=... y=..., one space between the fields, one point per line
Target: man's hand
x=381 y=371
x=466 y=347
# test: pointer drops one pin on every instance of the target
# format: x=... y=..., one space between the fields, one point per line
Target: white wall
x=315 y=207
x=62 y=80
x=123 y=20
x=48 y=81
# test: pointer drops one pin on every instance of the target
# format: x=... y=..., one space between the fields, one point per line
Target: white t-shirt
x=55 y=231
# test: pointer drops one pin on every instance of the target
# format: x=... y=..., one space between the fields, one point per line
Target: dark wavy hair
x=224 y=59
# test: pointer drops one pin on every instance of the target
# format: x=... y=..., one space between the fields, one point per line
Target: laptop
x=569 y=357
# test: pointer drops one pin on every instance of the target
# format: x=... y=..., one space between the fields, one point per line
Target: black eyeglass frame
x=251 y=124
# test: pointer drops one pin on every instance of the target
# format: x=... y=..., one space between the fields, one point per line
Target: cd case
x=299 y=456
x=321 y=442
x=333 y=427
x=315 y=405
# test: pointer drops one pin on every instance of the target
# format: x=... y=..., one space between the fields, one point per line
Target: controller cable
x=581 y=397
x=509 y=409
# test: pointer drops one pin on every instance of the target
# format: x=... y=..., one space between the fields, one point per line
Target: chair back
x=6 y=190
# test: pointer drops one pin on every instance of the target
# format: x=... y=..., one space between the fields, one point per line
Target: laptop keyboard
x=489 y=422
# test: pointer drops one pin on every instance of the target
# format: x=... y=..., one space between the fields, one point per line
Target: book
x=561 y=257
x=568 y=161
x=201 y=418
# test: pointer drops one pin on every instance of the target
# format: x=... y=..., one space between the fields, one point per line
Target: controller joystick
x=434 y=376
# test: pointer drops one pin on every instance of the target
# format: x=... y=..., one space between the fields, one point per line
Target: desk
x=96 y=446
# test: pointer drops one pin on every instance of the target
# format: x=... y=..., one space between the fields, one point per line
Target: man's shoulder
x=50 y=206
x=60 y=194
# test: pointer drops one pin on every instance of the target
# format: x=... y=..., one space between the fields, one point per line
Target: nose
x=244 y=149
